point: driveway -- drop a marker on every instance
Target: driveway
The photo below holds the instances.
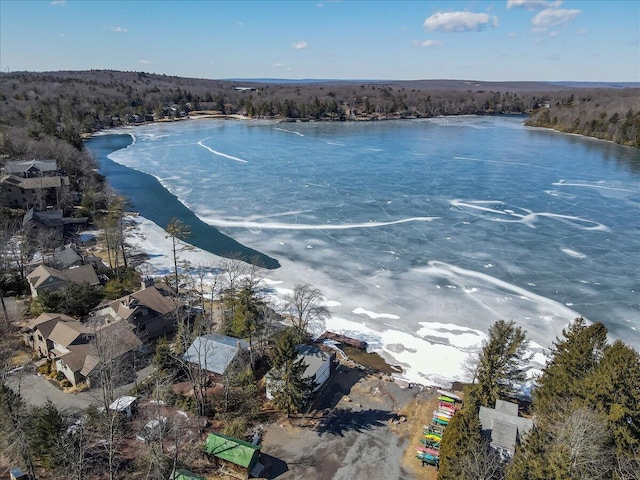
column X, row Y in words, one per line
column 36, row 390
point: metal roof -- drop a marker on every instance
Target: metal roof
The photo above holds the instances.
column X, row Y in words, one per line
column 214, row 352
column 232, row 450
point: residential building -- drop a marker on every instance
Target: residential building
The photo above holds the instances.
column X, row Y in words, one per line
column 503, row 427
column 33, row 192
column 214, row 353
column 52, row 279
column 152, row 311
column 32, row 168
column 78, row 349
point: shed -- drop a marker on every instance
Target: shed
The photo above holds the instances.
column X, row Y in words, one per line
column 241, row 456
column 17, row 474
column 503, row 426
column 124, row 404
column 182, row 474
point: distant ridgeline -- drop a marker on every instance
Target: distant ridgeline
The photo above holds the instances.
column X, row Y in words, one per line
column 68, row 104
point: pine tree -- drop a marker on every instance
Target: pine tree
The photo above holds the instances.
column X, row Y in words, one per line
column 502, row 365
column 289, row 385
column 614, row 390
column 44, row 431
column 572, row 359
column 462, row 436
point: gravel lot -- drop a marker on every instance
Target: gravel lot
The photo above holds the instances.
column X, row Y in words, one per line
column 346, row 437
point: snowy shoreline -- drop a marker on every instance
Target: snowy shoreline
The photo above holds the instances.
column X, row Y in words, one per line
column 434, row 356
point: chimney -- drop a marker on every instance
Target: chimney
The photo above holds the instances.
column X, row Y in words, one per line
column 146, row 282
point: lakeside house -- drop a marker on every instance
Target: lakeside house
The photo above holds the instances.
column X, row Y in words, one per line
column 215, row 353
column 503, row 427
column 152, row 310
column 51, row 279
column 32, row 184
column 318, row 363
column 52, row 225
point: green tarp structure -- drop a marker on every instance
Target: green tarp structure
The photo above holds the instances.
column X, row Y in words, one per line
column 186, row 475
column 232, row 450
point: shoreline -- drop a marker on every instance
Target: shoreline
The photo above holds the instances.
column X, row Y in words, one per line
column 431, row 354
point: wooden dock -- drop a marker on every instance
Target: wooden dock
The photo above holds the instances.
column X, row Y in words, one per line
column 353, row 342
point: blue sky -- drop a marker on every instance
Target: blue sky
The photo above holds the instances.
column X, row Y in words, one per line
column 548, row 40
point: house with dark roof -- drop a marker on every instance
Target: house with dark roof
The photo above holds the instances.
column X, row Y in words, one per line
column 151, row 311
column 52, row 224
column 214, row 353
column 32, row 192
column 32, row 168
column 318, row 367
column 503, row 427
column 52, row 279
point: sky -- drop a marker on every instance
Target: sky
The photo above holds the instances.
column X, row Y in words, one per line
column 502, row 40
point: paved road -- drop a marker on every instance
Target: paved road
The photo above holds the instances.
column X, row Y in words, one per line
column 36, row 390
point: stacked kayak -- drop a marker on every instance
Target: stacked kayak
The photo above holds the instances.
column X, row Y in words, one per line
column 448, row 404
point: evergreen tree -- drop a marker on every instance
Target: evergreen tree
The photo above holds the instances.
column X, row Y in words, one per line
column 572, row 359
column 502, row 365
column 462, row 436
column 614, row 390
column 289, row 386
column 45, row 428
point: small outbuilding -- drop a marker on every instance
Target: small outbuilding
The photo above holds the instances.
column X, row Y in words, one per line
column 234, row 456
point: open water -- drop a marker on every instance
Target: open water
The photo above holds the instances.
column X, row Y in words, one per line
column 431, row 227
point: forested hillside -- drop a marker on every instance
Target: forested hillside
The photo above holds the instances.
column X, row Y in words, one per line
column 67, row 104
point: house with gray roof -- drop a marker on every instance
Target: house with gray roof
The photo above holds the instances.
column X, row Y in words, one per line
column 32, row 192
column 503, row 427
column 32, row 168
column 52, row 279
column 215, row 353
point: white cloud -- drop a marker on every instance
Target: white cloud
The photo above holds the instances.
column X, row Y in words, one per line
column 512, row 34
column 58, row 3
column 119, row 29
column 583, row 31
column 553, row 18
column 145, row 62
column 459, row 21
column 533, row 4
column 279, row 65
column 300, row 45
column 428, row 43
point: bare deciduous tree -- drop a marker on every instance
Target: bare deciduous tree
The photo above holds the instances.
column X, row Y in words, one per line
column 305, row 306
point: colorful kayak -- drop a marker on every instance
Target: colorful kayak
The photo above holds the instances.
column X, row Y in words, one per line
column 443, row 413
column 440, row 421
column 444, row 398
column 425, row 457
column 430, row 451
column 433, row 437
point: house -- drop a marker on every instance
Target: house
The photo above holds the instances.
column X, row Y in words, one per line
column 78, row 349
column 32, row 192
column 37, row 331
column 52, row 279
column 503, row 427
column 151, row 311
column 233, row 455
column 52, row 224
column 66, row 257
column 32, row 168
column 214, row 352
column 318, row 368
